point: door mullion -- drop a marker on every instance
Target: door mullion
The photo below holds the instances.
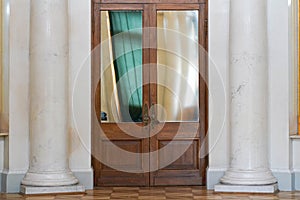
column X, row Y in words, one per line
column 146, row 80
column 153, row 86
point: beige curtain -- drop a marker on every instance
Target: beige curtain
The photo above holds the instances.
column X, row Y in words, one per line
column 3, row 99
column 4, row 67
column 178, row 65
column 1, row 63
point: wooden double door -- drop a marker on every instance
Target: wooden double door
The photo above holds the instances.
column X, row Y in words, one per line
column 149, row 93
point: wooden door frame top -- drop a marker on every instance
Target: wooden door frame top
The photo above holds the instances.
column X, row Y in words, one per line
column 149, row 1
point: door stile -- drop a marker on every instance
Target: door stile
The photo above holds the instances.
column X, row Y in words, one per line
column 95, row 87
column 153, row 86
column 203, row 90
column 146, row 81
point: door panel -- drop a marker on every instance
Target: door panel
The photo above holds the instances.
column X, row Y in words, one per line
column 176, row 136
column 180, row 158
column 118, row 164
column 187, row 161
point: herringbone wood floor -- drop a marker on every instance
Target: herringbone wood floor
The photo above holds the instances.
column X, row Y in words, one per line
column 155, row 193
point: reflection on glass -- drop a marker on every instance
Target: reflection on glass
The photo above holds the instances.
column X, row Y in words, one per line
column 121, row 66
column 178, row 58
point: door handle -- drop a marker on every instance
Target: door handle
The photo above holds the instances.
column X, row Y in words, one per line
column 146, row 118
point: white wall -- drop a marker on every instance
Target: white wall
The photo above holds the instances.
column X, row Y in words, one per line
column 218, row 85
column 279, row 87
column 16, row 161
column 280, row 154
column 80, row 91
column 16, row 153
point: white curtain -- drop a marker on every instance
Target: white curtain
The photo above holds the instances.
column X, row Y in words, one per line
column 178, row 65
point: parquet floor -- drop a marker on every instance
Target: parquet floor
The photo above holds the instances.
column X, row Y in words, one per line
column 155, row 193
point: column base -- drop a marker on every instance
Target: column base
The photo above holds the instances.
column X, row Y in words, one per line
column 28, row 190
column 248, row 177
column 273, row 188
column 49, row 179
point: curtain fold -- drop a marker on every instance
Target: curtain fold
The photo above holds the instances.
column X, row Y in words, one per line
column 110, row 104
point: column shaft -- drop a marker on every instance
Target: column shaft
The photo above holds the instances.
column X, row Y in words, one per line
column 249, row 94
column 49, row 95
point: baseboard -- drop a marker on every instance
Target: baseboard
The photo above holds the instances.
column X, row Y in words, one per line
column 11, row 180
column 85, row 177
column 296, row 180
column 213, row 177
column 287, row 180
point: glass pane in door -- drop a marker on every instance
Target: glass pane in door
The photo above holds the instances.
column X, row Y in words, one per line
column 178, row 61
column 121, row 66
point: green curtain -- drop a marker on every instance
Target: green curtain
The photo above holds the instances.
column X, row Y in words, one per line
column 126, row 31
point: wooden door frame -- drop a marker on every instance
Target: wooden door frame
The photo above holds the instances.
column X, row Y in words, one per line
column 97, row 6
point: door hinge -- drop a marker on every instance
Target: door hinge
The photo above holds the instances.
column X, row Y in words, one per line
column 206, row 26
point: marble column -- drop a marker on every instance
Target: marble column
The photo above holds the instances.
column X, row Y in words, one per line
column 249, row 170
column 49, row 170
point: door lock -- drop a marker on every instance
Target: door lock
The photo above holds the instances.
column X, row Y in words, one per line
column 153, row 116
column 146, row 117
